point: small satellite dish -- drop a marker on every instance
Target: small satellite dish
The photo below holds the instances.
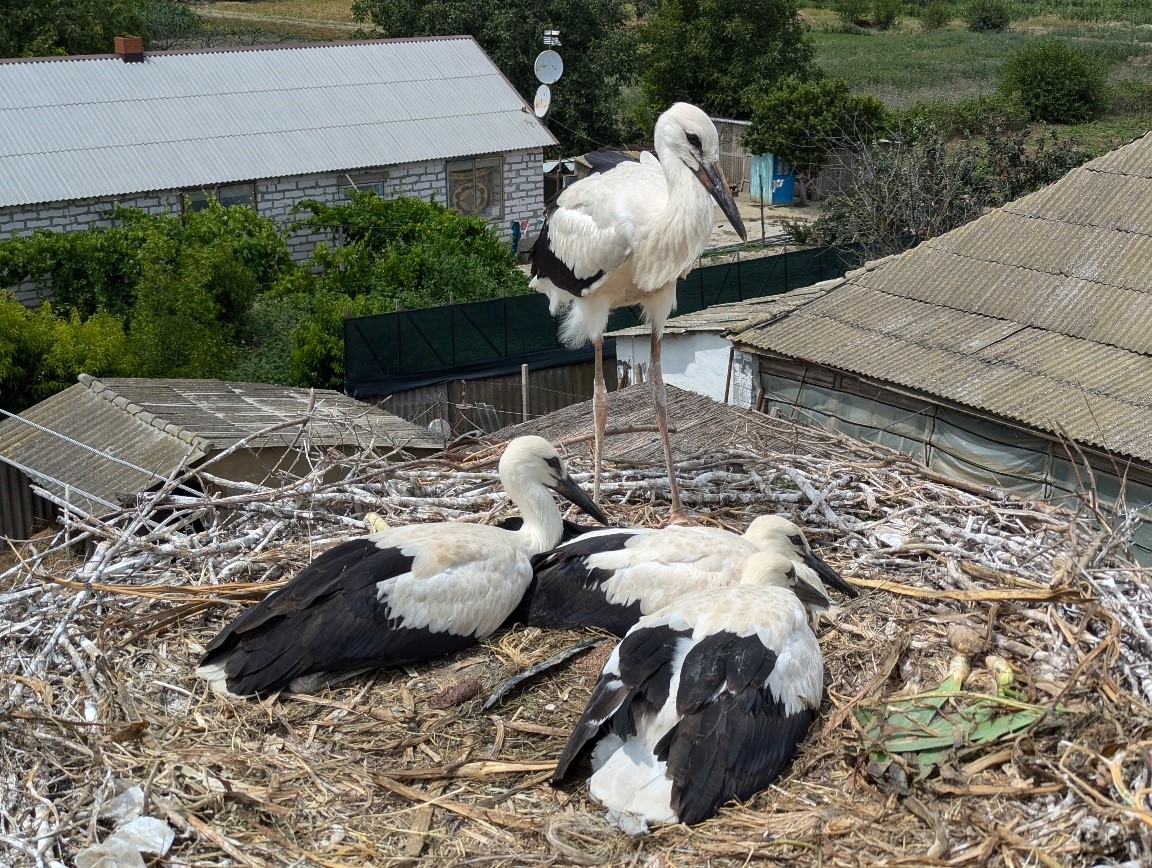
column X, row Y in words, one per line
column 542, row 101
column 549, row 67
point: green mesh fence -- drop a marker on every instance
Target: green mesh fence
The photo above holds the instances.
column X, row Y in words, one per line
column 394, row 352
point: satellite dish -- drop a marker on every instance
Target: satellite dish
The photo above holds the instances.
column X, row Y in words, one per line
column 542, row 101
column 549, row 67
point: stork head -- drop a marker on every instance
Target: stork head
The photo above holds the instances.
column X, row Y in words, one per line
column 686, row 133
column 775, row 533
column 775, row 570
column 533, row 460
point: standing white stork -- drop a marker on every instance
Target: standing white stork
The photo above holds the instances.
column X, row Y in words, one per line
column 623, row 238
column 703, row 701
column 609, row 578
column 397, row 596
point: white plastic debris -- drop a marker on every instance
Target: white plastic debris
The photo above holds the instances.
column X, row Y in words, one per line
column 124, row 806
column 146, row 834
column 112, row 853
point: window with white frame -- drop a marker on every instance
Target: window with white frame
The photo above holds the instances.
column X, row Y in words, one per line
column 227, row 195
column 476, row 186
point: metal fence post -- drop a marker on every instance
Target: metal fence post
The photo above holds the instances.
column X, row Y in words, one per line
column 524, row 393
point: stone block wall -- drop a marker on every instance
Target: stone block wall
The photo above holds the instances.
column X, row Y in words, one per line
column 275, row 197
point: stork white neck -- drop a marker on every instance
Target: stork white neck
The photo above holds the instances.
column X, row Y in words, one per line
column 543, row 525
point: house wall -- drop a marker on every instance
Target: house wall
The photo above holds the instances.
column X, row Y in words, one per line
column 275, row 197
column 695, row 361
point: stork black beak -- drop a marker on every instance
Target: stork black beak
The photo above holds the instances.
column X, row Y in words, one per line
column 828, row 575
column 712, row 177
column 809, row 595
column 569, row 490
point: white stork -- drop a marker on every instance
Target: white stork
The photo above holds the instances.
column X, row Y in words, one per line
column 609, row 578
column 623, row 238
column 397, row 596
column 703, row 701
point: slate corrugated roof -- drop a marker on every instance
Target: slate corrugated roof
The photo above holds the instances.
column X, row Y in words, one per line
column 155, row 424
column 1039, row 312
column 722, row 317
column 72, row 128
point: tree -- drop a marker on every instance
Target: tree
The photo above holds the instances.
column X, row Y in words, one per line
column 803, row 122
column 915, row 186
column 721, row 54
column 386, row 253
column 50, row 27
column 168, row 24
column 598, row 51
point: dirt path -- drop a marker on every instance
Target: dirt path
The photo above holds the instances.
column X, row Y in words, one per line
column 255, row 18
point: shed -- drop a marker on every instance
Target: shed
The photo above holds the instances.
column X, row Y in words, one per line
column 1014, row 351
column 103, row 441
column 697, row 355
column 265, row 126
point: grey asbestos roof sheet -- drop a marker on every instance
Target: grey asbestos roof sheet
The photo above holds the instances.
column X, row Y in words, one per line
column 724, row 317
column 77, row 465
column 73, row 128
column 219, row 414
column 104, row 438
column 1040, row 311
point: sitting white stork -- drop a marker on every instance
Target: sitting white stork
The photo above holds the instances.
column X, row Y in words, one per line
column 703, row 701
column 609, row 578
column 398, row 596
column 624, row 238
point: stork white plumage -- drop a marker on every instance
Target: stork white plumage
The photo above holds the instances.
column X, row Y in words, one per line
column 609, row 578
column 623, row 238
column 704, row 700
column 400, row 595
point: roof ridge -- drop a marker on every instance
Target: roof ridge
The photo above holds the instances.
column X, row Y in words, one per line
column 96, row 387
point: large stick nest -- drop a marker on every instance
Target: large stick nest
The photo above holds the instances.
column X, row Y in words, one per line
column 102, row 622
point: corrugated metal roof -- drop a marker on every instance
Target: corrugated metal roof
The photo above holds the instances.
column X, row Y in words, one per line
column 1040, row 311
column 153, row 425
column 86, row 127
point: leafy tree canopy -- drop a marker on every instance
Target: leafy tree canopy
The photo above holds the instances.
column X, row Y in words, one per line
column 721, row 54
column 394, row 253
column 598, row 51
column 804, row 121
column 47, row 27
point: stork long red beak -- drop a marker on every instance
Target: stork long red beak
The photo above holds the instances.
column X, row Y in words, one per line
column 569, row 490
column 712, row 177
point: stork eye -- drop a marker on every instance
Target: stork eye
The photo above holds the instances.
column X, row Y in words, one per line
column 693, row 140
column 795, row 539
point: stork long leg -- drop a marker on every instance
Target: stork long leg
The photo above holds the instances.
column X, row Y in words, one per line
column 660, row 400
column 600, row 417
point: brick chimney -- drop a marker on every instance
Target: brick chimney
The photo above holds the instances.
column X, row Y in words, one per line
column 130, row 49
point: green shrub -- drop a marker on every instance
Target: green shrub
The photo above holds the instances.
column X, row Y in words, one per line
column 1128, row 96
column 983, row 16
column 852, row 11
column 966, row 117
column 885, row 14
column 936, row 15
column 40, row 353
column 1057, row 82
